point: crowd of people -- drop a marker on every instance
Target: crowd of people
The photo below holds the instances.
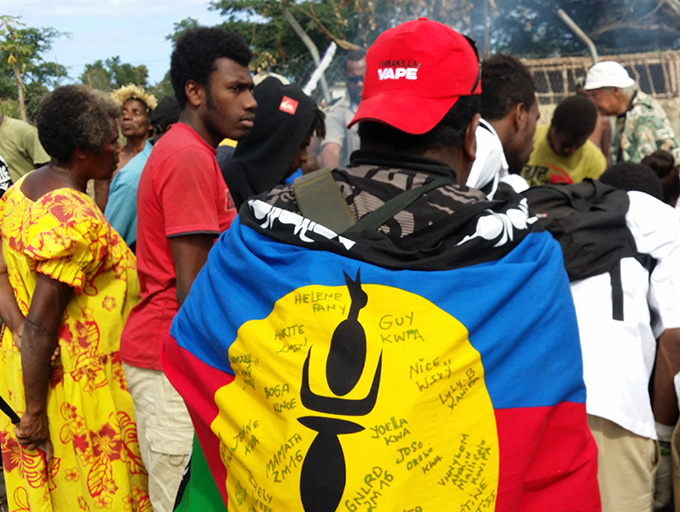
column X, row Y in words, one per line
column 422, row 299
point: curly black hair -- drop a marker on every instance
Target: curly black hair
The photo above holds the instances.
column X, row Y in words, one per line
column 75, row 115
column 663, row 164
column 576, row 116
column 319, row 124
column 195, row 55
column 630, row 176
column 506, row 82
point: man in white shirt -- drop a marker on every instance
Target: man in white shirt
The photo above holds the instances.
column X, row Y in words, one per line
column 505, row 135
column 619, row 354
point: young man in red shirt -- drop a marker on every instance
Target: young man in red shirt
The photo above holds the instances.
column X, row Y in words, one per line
column 183, row 204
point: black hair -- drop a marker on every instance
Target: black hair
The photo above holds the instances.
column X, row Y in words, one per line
column 506, row 82
column 661, row 162
column 575, row 116
column 355, row 56
column 195, row 55
column 318, row 124
column 165, row 114
column 663, row 165
column 75, row 116
column 449, row 132
column 630, row 176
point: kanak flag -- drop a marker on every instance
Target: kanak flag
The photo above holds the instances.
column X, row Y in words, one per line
column 324, row 374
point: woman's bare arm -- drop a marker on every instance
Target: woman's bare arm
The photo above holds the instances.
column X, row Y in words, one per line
column 39, row 341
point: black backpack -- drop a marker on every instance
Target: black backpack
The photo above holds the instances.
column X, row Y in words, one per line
column 588, row 219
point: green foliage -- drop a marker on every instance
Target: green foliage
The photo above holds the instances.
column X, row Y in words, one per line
column 533, row 28
column 351, row 24
column 180, row 27
column 162, row 88
column 112, row 74
column 96, row 76
column 528, row 28
column 21, row 52
column 35, row 94
column 275, row 45
column 9, row 108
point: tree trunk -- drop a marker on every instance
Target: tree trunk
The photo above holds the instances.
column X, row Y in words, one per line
column 20, row 90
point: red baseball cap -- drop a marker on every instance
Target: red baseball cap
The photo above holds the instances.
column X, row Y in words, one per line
column 415, row 73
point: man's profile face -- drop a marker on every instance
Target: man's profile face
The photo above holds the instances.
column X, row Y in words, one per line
column 301, row 157
column 606, row 99
column 134, row 120
column 525, row 139
column 354, row 77
column 564, row 144
column 229, row 109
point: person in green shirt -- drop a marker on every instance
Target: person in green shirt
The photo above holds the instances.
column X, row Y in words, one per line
column 562, row 151
column 642, row 126
column 20, row 147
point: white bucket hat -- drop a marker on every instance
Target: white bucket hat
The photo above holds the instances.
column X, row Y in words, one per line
column 608, row 74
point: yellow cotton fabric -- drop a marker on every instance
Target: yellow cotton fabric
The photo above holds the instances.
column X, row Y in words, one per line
column 97, row 463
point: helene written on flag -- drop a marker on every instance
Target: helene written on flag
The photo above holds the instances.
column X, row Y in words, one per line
column 320, row 382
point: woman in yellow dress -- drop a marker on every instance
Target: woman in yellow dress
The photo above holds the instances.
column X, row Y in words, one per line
column 67, row 284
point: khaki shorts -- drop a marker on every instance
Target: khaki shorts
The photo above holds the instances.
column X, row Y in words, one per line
column 627, row 465
column 165, row 433
column 675, row 455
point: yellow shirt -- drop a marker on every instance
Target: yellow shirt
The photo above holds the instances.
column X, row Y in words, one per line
column 545, row 167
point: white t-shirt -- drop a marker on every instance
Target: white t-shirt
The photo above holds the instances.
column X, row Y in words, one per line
column 490, row 165
column 618, row 356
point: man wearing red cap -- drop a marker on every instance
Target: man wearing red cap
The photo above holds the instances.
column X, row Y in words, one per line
column 374, row 350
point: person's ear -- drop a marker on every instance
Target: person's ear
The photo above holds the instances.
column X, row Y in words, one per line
column 468, row 152
column 470, row 140
column 519, row 115
column 79, row 153
column 621, row 99
column 195, row 93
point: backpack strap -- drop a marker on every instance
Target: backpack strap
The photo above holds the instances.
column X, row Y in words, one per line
column 379, row 216
column 319, row 198
column 617, row 291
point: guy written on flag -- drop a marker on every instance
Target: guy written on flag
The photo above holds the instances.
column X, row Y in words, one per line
column 319, row 380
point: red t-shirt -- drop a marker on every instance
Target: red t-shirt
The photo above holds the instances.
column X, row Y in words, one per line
column 181, row 191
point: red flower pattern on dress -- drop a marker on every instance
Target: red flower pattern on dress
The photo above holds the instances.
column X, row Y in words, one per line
column 72, row 474
column 21, row 500
column 104, row 501
column 130, row 452
column 82, row 443
column 33, row 467
column 100, row 454
column 67, row 208
column 109, row 303
column 82, row 503
column 11, row 452
column 107, row 443
column 141, row 502
column 56, row 375
column 93, row 376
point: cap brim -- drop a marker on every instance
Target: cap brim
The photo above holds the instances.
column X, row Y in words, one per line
column 407, row 113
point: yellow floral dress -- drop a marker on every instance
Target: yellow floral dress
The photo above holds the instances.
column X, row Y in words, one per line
column 96, row 463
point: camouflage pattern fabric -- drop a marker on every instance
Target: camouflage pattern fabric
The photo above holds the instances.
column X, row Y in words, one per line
column 642, row 130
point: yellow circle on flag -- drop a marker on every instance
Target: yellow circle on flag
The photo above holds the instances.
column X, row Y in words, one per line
column 415, row 432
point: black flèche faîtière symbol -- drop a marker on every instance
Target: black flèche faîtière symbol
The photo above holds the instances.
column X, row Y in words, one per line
column 322, row 479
